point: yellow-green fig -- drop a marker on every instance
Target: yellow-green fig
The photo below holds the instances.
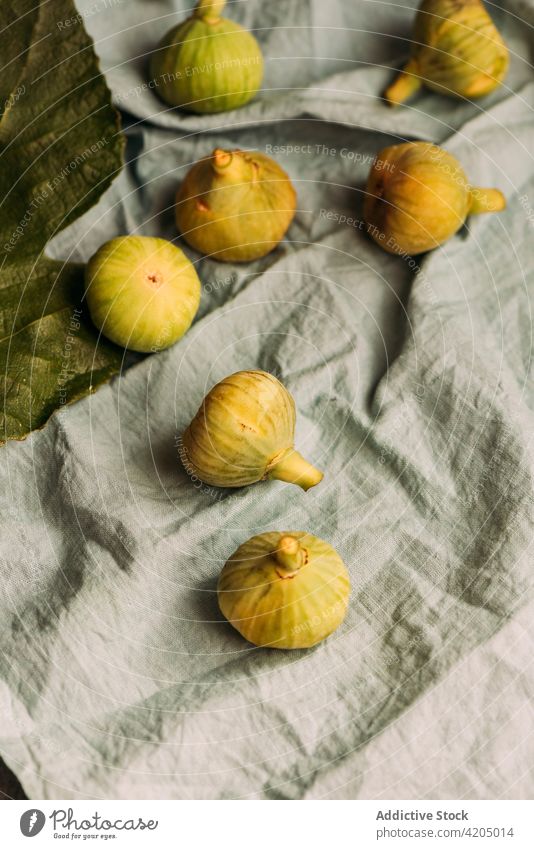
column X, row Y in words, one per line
column 285, row 590
column 142, row 292
column 456, row 50
column 418, row 196
column 235, row 206
column 244, row 433
column 207, row 63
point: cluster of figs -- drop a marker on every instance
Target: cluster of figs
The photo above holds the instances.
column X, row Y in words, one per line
column 285, row 589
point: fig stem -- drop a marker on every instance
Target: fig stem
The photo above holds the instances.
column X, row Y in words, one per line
column 486, row 200
column 222, row 159
column 293, row 468
column 210, row 9
column 406, row 84
column 289, row 556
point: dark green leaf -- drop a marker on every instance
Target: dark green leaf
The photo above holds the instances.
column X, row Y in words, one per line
column 60, row 147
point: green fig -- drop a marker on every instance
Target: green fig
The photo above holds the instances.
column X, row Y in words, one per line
column 457, row 50
column 207, row 63
column 418, row 196
column 244, row 432
column 142, row 292
column 235, row 206
column 284, row 590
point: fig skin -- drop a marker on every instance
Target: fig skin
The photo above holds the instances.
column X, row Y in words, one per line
column 284, row 590
column 207, row 64
column 457, row 51
column 244, row 433
column 142, row 292
column 235, row 206
column 418, row 196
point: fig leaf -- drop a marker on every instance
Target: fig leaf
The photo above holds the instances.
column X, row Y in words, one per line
column 60, row 147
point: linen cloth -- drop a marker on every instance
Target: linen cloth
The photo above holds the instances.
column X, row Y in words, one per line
column 413, row 384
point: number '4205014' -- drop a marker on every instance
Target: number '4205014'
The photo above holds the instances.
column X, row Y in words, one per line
column 473, row 831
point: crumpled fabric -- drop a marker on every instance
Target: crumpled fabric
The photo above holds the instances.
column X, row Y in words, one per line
column 413, row 384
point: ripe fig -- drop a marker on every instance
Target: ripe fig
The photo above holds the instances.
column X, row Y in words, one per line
column 235, row 206
column 286, row 590
column 418, row 196
column 457, row 50
column 244, row 432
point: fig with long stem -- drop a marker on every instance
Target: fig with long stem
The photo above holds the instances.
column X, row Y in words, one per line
column 418, row 196
column 244, row 433
column 456, row 50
